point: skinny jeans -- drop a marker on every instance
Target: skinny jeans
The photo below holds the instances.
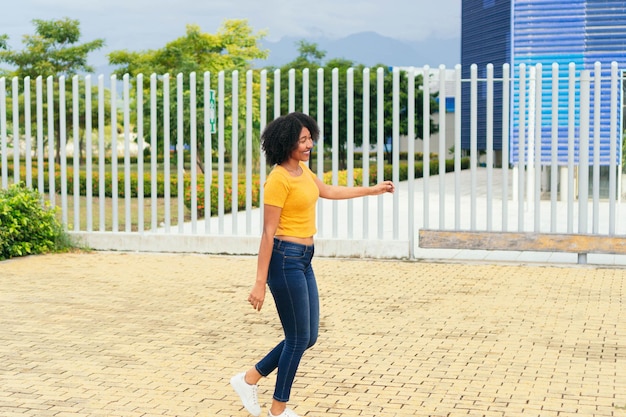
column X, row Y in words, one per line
column 292, row 283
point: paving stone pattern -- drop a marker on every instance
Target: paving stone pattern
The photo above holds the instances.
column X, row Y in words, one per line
column 120, row 334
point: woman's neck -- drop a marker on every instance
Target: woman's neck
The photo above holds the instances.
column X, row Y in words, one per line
column 293, row 167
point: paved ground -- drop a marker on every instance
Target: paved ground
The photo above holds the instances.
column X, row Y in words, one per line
column 114, row 334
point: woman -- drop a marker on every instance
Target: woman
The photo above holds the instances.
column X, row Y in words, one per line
column 285, row 253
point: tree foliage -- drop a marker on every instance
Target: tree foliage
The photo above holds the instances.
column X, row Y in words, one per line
column 232, row 48
column 53, row 50
column 312, row 58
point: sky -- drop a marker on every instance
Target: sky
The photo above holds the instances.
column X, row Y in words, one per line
column 138, row 25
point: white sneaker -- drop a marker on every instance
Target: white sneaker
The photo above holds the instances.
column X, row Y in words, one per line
column 287, row 413
column 247, row 393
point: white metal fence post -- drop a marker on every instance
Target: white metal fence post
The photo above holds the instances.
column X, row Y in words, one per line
column 27, row 132
column 3, row 134
column 426, row 141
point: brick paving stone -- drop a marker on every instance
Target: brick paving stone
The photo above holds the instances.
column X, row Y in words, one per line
column 130, row 334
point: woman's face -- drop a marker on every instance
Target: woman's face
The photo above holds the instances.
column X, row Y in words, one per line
column 302, row 151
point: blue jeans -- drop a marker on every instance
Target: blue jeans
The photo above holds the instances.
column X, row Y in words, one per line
column 292, row 283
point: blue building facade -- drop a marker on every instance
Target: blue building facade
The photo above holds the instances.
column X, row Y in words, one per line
column 533, row 32
column 485, row 39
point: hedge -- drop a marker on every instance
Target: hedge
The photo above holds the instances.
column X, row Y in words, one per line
column 160, row 191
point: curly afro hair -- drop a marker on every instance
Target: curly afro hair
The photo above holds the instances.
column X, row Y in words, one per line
column 281, row 135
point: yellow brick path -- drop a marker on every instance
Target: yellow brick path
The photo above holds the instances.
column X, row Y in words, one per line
column 115, row 334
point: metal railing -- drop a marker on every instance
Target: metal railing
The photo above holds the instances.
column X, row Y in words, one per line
column 544, row 188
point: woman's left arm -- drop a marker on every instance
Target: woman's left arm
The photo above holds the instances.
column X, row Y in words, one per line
column 335, row 192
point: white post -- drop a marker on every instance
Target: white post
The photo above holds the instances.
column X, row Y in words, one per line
column 411, row 157
column 153, row 151
column 101, row 194
column 63, row 142
column 395, row 151
column 50, row 119
column 457, row 147
column 89, row 154
column 292, row 90
column 554, row 167
column 537, row 145
column 489, row 147
column 505, row 143
column 27, row 128
column 114, row 185
column 597, row 89
column 209, row 113
column 3, row 133
column 180, row 153
column 76, row 155
column 140, row 143
column 614, row 151
column 442, row 143
column 530, row 155
column 583, row 152
column 426, row 145
column 249, row 88
column 350, row 145
column 473, row 141
column 366, row 147
column 166, row 151
column 571, row 129
column 380, row 144
column 40, row 150
column 127, row 198
column 583, row 158
column 220, row 150
column 521, row 147
column 335, row 142
column 234, row 159
column 16, row 134
column 320, row 144
column 515, row 183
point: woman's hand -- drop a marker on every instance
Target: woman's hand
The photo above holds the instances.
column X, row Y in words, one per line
column 383, row 187
column 257, row 296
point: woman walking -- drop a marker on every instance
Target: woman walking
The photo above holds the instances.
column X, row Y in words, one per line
column 285, row 253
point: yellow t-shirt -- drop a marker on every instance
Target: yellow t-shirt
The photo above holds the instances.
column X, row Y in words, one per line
column 297, row 197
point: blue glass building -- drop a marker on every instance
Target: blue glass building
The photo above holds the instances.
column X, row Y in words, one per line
column 532, row 32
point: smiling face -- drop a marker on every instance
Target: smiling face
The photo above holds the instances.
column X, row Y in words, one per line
column 302, row 151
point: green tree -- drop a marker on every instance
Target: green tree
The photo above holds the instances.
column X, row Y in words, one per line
column 309, row 55
column 232, row 48
column 3, row 45
column 54, row 50
column 404, row 96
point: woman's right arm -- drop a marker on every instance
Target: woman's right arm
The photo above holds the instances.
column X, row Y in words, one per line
column 271, row 216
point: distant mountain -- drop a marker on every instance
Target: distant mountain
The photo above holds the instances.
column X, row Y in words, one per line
column 370, row 49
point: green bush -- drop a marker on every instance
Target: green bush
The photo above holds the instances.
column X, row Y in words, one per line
column 228, row 192
column 160, row 181
column 28, row 226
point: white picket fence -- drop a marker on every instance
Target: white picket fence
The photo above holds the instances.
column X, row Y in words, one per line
column 522, row 197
